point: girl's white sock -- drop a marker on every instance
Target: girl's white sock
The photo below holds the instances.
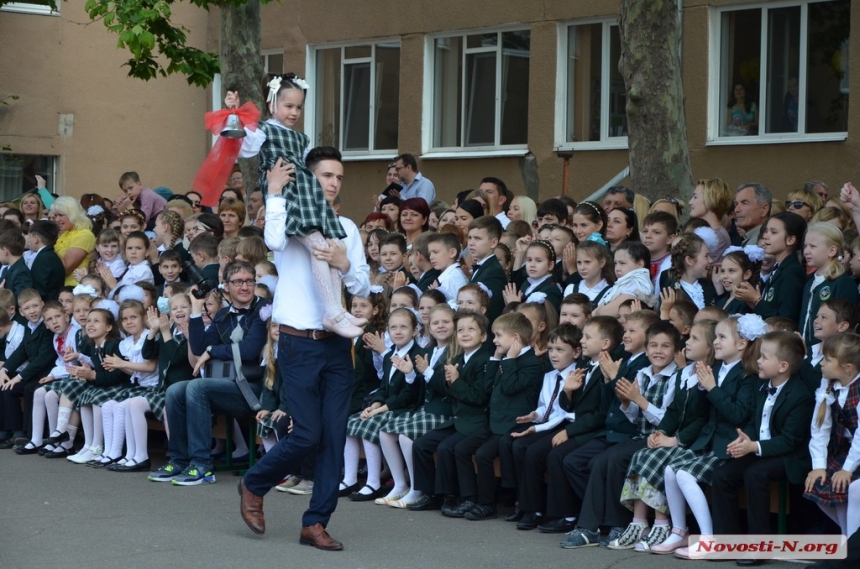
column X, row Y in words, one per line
column 696, row 500
column 391, row 450
column 52, row 408
column 373, row 455
column 351, row 455
column 73, row 432
column 39, row 413
column 108, row 426
column 98, row 432
column 86, row 423
column 135, row 425
column 63, row 414
column 118, row 431
column 406, row 448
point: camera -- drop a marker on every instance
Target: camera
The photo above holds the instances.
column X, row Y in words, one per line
column 196, row 277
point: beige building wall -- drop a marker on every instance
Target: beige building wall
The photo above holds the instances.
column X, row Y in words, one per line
column 63, row 71
column 119, row 123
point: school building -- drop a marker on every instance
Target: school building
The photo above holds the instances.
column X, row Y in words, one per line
column 503, row 88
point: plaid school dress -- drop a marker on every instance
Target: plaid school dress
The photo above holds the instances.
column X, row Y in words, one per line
column 844, row 418
column 97, row 394
column 307, row 208
column 414, row 424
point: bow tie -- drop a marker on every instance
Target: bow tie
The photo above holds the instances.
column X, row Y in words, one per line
column 475, row 268
column 239, row 310
column 770, row 390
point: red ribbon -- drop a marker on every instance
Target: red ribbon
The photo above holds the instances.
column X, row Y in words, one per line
column 213, row 174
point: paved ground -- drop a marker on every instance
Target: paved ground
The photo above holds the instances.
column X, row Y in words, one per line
column 54, row 514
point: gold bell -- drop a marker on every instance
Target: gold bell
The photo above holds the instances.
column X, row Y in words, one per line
column 233, row 128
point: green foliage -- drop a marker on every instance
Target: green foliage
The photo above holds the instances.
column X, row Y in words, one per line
column 157, row 46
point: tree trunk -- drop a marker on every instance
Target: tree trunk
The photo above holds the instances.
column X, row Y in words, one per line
column 242, row 66
column 651, row 66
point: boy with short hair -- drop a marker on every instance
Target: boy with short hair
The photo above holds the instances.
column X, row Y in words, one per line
column 514, row 379
column 170, row 268
column 204, row 252
column 658, row 231
column 642, row 403
column 392, row 256
column 136, row 196
column 467, row 389
column 773, row 445
column 679, row 314
column 444, row 254
column 17, row 276
column 575, row 309
column 560, row 237
column 483, row 238
column 835, row 316
column 37, row 352
column 46, row 267
column 14, row 334
column 227, row 252
column 421, row 257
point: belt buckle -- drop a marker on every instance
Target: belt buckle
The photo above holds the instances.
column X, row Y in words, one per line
column 314, row 334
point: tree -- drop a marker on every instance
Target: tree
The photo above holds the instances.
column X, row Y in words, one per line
column 651, row 66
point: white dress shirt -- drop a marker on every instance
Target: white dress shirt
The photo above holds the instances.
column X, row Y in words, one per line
column 724, row 371
column 553, row 382
column 135, row 273
column 451, row 281
column 503, row 219
column 59, row 371
column 438, row 352
column 131, row 352
column 652, row 413
column 533, row 284
column 582, row 288
column 401, row 352
column 766, row 416
column 297, row 301
column 820, row 436
column 817, row 354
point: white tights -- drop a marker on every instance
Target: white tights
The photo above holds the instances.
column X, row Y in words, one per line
column 393, row 456
column 136, row 438
column 683, row 489
column 91, row 420
column 113, row 420
column 326, row 278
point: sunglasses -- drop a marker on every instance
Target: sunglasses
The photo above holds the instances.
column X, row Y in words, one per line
column 796, row 204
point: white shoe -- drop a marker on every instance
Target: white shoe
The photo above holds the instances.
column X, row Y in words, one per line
column 287, row 483
column 82, row 457
column 303, row 488
column 631, row 536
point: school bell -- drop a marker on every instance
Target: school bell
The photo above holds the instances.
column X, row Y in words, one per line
column 233, row 128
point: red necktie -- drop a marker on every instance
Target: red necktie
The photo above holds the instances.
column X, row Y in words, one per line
column 61, row 344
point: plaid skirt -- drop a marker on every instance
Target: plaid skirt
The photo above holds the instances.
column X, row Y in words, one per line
column 699, row 466
column 823, row 494
column 267, row 426
column 71, row 388
column 646, row 477
column 368, row 429
column 413, row 425
column 94, row 395
column 153, row 395
column 59, row 384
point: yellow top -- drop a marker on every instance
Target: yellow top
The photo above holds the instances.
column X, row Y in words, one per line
column 75, row 239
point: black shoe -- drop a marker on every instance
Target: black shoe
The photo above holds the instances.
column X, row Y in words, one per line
column 57, row 439
column 529, row 521
column 425, row 503
column 559, row 525
column 131, row 466
column 27, row 448
column 459, row 511
column 480, row 512
column 7, row 444
column 348, row 490
column 61, row 452
column 748, row 562
column 516, row 516
column 359, row 497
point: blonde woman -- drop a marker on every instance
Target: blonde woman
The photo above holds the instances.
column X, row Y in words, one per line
column 76, row 241
column 523, row 208
column 712, row 201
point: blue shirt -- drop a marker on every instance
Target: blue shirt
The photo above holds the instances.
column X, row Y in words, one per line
column 420, row 187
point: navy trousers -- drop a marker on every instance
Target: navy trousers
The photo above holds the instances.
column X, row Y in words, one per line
column 318, row 378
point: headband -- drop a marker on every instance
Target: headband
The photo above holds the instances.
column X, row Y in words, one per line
column 134, row 213
column 594, row 207
column 753, row 252
column 547, row 245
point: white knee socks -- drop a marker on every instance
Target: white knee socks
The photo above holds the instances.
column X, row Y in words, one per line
column 696, row 500
column 373, row 456
column 39, row 413
column 351, row 455
column 406, row 447
column 391, row 450
column 136, row 438
column 52, row 409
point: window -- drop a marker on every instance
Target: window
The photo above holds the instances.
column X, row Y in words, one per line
column 356, row 98
column 783, row 72
column 32, row 7
column 592, row 111
column 18, row 174
column 273, row 61
column 480, row 90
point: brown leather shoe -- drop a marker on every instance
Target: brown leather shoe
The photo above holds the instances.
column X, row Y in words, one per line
column 251, row 508
column 317, row 536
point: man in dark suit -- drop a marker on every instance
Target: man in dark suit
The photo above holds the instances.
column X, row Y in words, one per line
column 484, row 235
column 47, row 269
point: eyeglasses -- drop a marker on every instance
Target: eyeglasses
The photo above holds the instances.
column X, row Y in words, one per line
column 195, row 229
column 195, row 204
column 241, row 282
column 796, row 204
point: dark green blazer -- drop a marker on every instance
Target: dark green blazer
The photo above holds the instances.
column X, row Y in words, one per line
column 212, row 273
column 427, row 279
column 49, row 274
column 618, row 426
column 399, row 395
column 366, row 378
column 548, row 287
column 734, row 307
column 783, row 292
column 841, row 287
column 105, row 378
column 436, row 400
column 686, row 415
column 493, row 276
column 789, row 427
column 469, row 395
column 37, row 347
column 515, row 385
column 708, row 290
column 585, row 403
column 173, row 364
column 810, row 375
column 18, row 277
column 731, row 408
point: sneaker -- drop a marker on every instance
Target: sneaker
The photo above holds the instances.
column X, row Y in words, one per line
column 166, row 473
column 632, row 535
column 287, row 483
column 581, row 538
column 614, row 534
column 193, row 476
column 656, row 536
column 303, row 488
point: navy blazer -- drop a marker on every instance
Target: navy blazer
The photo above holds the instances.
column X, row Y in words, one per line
column 218, row 334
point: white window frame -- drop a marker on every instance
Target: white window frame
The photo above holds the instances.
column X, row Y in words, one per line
column 265, row 53
column 428, row 151
column 715, row 83
column 27, row 8
column 606, row 142
column 310, row 110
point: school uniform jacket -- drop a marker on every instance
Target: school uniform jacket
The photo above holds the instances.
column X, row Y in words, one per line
column 790, row 421
column 469, row 395
column 783, row 292
column 37, row 347
column 687, row 413
column 172, row 356
column 104, row 378
column 436, row 400
column 18, row 277
column 547, row 287
column 394, row 391
column 515, row 385
column 366, row 378
column 734, row 307
column 584, row 403
column 841, row 287
column 731, row 406
column 491, row 274
column 810, row 375
column 427, row 279
column 48, row 273
column 708, row 290
column 618, row 426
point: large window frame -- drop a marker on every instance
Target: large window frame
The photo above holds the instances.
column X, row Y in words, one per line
column 429, row 118
column 15, row 180
column 718, row 77
column 31, row 8
column 565, row 97
column 312, row 112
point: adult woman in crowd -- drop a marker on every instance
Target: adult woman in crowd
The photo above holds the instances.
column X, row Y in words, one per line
column 391, row 176
column 377, row 220
column 76, row 240
column 712, row 201
column 672, row 206
column 414, row 218
column 195, row 198
column 232, row 193
column 482, row 198
column 232, row 214
column 31, row 207
column 468, row 211
column 203, row 223
column 741, row 114
column 621, row 226
column 390, row 206
column 523, row 208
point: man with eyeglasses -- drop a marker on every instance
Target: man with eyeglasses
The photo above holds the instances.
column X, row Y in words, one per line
column 415, row 185
column 315, row 365
column 190, row 404
column 752, row 208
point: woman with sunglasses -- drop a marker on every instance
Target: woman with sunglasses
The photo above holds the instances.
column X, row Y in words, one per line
column 804, row 203
column 195, row 201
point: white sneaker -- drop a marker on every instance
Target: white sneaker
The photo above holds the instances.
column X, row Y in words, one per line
column 631, row 536
column 303, row 488
column 83, row 456
column 287, row 483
